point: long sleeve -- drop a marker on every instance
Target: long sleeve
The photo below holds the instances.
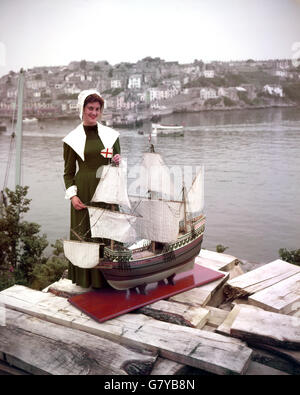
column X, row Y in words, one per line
column 117, row 147
column 69, row 171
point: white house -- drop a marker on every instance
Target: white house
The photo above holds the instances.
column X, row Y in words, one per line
column 36, row 84
column 72, row 90
column 209, row 73
column 11, row 93
column 115, row 84
column 281, row 73
column 230, row 92
column 135, row 81
column 208, row 93
column 274, row 90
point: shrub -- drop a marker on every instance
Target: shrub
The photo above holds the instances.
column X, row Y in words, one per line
column 292, row 256
column 22, row 247
column 229, row 102
column 221, row 248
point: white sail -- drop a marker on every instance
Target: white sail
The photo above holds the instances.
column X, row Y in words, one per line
column 155, row 175
column 112, row 225
column 82, row 254
column 159, row 220
column 112, row 186
column 195, row 196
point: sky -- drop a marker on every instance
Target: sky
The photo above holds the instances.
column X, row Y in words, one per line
column 55, row 32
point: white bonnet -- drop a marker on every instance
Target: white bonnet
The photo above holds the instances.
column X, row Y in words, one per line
column 81, row 99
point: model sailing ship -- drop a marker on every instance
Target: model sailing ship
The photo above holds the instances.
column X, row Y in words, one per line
column 152, row 237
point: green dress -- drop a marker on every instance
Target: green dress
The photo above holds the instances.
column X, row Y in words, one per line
column 86, row 181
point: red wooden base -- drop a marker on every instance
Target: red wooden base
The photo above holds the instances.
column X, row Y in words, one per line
column 107, row 303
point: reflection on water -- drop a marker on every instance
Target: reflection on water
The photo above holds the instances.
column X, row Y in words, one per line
column 252, row 181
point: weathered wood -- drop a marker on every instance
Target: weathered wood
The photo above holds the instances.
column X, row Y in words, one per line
column 176, row 313
column 258, row 369
column 295, row 313
column 216, row 316
column 58, row 350
column 260, row 278
column 216, row 260
column 166, row 367
column 225, row 326
column 267, row 357
column 282, row 297
column 291, row 355
column 200, row 296
column 7, row 370
column 66, row 288
column 267, row 327
column 235, row 271
column 217, row 297
column 189, row 346
column 209, row 328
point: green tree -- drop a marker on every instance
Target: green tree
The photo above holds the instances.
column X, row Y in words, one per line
column 21, row 245
column 83, row 64
column 292, row 256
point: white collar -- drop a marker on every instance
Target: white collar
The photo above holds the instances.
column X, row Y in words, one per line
column 76, row 138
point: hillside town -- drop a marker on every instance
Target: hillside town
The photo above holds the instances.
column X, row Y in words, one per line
column 152, row 87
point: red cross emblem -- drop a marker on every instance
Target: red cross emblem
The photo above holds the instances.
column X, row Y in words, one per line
column 107, row 152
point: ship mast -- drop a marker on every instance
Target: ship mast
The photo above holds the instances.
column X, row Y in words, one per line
column 19, row 129
column 184, row 206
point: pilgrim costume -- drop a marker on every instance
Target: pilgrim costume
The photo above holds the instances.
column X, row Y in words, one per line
column 86, row 147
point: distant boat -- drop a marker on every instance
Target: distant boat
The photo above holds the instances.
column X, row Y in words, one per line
column 166, row 130
column 2, row 127
column 30, row 120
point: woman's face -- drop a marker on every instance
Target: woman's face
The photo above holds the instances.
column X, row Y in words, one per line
column 91, row 113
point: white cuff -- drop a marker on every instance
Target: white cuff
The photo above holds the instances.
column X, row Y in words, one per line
column 70, row 192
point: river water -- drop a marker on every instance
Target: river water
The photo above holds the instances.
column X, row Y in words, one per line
column 252, row 175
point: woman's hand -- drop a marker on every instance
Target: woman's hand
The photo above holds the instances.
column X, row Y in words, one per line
column 77, row 203
column 117, row 159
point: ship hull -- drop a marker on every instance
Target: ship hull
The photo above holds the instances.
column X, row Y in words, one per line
column 125, row 275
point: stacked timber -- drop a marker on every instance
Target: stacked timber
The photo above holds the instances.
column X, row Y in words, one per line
column 244, row 323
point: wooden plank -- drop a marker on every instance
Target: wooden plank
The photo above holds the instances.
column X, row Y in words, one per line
column 176, row 313
column 216, row 260
column 200, row 296
column 58, row 350
column 218, row 297
column 66, row 288
column 225, row 326
column 290, row 355
column 267, row 327
column 258, row 369
column 283, row 297
column 216, row 316
column 189, row 346
column 166, row 367
column 7, row 370
column 235, row 271
column 260, row 278
column 267, row 357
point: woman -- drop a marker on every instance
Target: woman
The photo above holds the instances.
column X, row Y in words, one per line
column 83, row 146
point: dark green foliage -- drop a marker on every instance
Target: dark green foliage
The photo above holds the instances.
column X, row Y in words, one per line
column 221, row 248
column 292, row 256
column 21, row 245
column 244, row 97
column 213, row 102
column 228, row 102
column 292, row 91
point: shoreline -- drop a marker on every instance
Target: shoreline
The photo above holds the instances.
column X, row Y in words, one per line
column 162, row 113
